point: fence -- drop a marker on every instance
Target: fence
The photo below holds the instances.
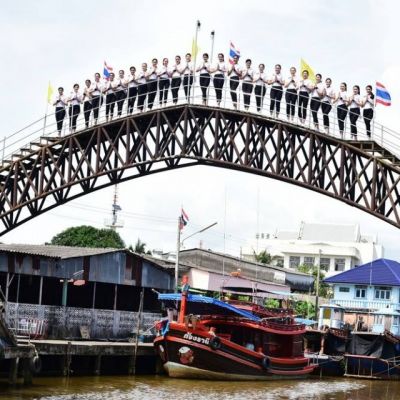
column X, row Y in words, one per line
column 65, row 322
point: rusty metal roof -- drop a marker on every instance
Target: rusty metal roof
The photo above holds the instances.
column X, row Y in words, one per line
column 55, row 251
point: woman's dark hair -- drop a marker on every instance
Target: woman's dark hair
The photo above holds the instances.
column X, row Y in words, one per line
column 248, row 60
column 188, row 54
column 154, row 60
column 221, row 54
column 205, row 55
column 97, row 74
column 305, row 70
column 262, row 65
column 372, row 93
column 133, row 67
column 344, row 84
column 328, row 79
column 88, row 80
column 357, row 87
column 121, row 70
column 319, row 75
column 165, row 59
column 278, row 65
column 61, row 88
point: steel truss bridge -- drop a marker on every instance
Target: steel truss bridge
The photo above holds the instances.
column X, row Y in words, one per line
column 54, row 170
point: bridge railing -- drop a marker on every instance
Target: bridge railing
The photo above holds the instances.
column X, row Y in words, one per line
column 20, row 142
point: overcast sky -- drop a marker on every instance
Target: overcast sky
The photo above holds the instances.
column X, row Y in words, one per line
column 66, row 42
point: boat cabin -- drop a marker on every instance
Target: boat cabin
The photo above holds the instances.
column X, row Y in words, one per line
column 386, row 320
column 331, row 316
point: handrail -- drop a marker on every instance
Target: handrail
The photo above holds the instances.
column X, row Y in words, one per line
column 387, row 138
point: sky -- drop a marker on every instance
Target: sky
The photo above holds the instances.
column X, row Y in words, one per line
column 66, row 42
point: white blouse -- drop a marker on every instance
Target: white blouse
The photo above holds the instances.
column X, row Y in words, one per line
column 369, row 102
column 291, row 82
column 343, row 97
column 276, row 79
column 329, row 95
column 247, row 74
column 318, row 88
column 305, row 85
column 220, row 68
column 75, row 98
column 60, row 101
column 260, row 78
column 356, row 99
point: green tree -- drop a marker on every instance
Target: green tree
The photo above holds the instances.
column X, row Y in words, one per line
column 88, row 236
column 140, row 247
column 271, row 303
column 313, row 270
column 305, row 309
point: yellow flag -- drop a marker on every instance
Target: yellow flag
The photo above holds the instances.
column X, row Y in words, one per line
column 195, row 48
column 50, row 92
column 305, row 66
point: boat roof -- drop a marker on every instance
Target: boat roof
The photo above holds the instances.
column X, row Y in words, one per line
column 203, row 305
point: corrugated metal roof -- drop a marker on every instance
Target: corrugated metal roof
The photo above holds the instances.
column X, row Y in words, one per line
column 379, row 272
column 55, row 251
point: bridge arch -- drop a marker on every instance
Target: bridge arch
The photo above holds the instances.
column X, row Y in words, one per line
column 56, row 170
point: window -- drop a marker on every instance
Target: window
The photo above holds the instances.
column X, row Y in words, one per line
column 395, row 320
column 324, row 263
column 309, row 261
column 340, row 264
column 361, row 292
column 344, row 289
column 294, row 261
column 382, row 292
column 378, row 319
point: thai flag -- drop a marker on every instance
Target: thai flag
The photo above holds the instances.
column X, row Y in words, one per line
column 233, row 52
column 183, row 219
column 106, row 71
column 382, row 95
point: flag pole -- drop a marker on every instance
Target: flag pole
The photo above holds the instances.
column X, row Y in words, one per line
column 195, row 56
column 212, row 46
column 178, row 248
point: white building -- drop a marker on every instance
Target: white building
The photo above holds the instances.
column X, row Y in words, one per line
column 336, row 248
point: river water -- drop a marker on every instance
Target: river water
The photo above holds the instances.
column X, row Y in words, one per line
column 157, row 388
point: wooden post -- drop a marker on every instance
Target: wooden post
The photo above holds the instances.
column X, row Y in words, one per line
column 40, row 290
column 97, row 365
column 64, row 293
column 26, row 371
column 115, row 297
column 7, row 285
column 94, row 295
column 12, row 377
column 139, row 317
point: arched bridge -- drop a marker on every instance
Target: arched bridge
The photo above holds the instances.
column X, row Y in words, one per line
column 55, row 170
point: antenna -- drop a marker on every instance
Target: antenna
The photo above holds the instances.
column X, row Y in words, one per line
column 114, row 222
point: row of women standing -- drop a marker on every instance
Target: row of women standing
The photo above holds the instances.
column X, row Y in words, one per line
column 146, row 83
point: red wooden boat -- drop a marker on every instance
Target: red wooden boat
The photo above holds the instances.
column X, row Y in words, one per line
column 215, row 340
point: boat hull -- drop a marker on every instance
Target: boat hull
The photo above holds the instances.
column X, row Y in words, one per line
column 191, row 356
column 327, row 365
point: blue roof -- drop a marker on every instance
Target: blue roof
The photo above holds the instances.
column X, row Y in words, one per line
column 378, row 272
column 202, row 305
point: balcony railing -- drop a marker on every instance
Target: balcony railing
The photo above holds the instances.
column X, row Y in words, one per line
column 366, row 304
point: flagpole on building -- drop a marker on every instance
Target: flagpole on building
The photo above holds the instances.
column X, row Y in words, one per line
column 195, row 56
column 178, row 249
column 212, row 46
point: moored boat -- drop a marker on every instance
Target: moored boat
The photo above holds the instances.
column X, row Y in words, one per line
column 215, row 340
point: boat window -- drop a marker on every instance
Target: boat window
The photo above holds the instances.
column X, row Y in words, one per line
column 378, row 319
column 383, row 292
column 361, row 292
column 395, row 320
column 337, row 314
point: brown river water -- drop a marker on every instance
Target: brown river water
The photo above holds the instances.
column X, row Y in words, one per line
column 156, row 387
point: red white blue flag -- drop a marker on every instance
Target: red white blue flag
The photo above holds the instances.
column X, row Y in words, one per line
column 183, row 219
column 233, row 51
column 106, row 71
column 382, row 95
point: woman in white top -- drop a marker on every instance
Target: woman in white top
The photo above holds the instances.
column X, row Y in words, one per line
column 204, row 69
column 234, row 73
column 368, row 105
column 87, row 102
column 305, row 86
column 219, row 77
column 132, row 89
column 260, row 80
column 75, row 101
column 276, row 93
column 291, row 94
column 163, row 82
column 109, row 91
column 120, row 91
column 355, row 102
column 152, row 83
column 187, row 72
column 60, row 103
column 326, row 102
column 317, row 94
column 342, row 110
column 176, row 78
column 142, row 87
column 247, row 85
column 97, row 97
